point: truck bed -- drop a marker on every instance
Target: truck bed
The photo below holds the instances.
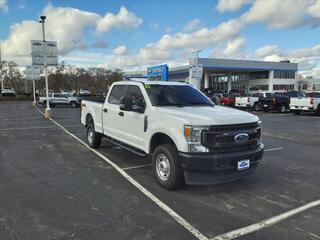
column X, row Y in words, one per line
column 95, row 109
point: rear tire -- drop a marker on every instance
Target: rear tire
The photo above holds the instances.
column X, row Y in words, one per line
column 256, row 107
column 93, row 138
column 282, row 108
column 166, row 167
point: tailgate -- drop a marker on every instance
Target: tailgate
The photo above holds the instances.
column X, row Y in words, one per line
column 300, row 102
column 242, row 100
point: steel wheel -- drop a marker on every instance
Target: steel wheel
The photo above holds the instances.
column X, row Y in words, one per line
column 163, row 167
column 90, row 136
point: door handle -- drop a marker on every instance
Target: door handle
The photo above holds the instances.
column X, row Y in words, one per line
column 105, row 110
column 121, row 114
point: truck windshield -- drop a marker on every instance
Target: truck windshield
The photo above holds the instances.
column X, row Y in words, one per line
column 176, row 95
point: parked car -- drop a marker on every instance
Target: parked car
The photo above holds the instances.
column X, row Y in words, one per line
column 251, row 101
column 84, row 92
column 279, row 101
column 190, row 139
column 8, row 92
column 229, row 99
column 60, row 99
column 309, row 103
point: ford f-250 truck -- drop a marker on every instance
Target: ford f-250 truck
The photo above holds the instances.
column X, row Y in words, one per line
column 309, row 103
column 190, row 139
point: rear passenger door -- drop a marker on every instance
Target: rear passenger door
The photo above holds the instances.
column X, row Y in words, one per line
column 111, row 110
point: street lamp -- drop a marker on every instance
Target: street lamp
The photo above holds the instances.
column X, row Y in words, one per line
column 47, row 111
column 196, row 52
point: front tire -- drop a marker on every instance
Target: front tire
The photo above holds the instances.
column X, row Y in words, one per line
column 73, row 104
column 283, row 108
column 93, row 138
column 166, row 167
column 297, row 112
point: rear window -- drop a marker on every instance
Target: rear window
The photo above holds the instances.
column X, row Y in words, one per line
column 313, row 94
column 117, row 93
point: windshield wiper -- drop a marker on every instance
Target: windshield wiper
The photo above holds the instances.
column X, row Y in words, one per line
column 171, row 105
column 198, row 103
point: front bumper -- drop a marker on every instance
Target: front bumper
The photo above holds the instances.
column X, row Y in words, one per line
column 211, row 168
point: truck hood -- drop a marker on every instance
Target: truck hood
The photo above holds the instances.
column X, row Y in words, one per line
column 206, row 115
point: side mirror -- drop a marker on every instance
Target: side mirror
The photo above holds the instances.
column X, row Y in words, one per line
column 125, row 105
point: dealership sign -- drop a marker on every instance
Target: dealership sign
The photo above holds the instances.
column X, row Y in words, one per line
column 40, row 49
column 196, row 71
column 160, row 72
column 32, row 72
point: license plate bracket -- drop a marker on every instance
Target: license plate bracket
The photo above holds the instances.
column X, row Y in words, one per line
column 243, row 164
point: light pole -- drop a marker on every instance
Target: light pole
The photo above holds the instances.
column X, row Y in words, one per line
column 34, row 88
column 1, row 79
column 47, row 112
column 196, row 52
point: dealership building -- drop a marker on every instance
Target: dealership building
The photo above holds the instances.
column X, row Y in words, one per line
column 225, row 74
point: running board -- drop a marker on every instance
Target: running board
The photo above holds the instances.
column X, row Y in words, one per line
column 126, row 147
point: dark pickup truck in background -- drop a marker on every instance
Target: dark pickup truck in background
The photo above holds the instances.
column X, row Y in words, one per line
column 278, row 101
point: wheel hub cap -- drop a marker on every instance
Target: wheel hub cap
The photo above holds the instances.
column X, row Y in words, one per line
column 90, row 136
column 163, row 167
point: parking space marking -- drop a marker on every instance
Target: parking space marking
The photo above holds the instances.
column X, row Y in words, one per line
column 273, row 149
column 266, row 223
column 26, row 128
column 135, row 167
column 142, row 189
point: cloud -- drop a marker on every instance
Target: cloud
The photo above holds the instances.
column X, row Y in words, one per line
column 282, row 14
column 314, row 10
column 65, row 25
column 3, row 5
column 154, row 25
column 123, row 20
column 267, row 50
column 231, row 5
column 100, row 43
column 235, row 46
column 171, row 47
column 120, row 50
column 193, row 25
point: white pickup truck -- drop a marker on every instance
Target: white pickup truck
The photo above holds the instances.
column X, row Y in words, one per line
column 251, row 101
column 190, row 139
column 60, row 99
column 309, row 103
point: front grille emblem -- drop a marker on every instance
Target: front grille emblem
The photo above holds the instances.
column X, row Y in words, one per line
column 241, row 137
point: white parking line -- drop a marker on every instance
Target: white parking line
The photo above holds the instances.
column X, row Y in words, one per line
column 135, row 167
column 26, row 128
column 273, row 149
column 148, row 194
column 265, row 223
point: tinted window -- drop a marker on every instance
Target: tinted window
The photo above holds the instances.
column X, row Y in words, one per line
column 175, row 95
column 257, row 95
column 295, row 94
column 269, row 94
column 313, row 94
column 117, row 94
column 136, row 98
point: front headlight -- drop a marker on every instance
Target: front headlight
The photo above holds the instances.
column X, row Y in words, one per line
column 193, row 136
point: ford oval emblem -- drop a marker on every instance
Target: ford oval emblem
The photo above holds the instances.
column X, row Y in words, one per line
column 241, row 137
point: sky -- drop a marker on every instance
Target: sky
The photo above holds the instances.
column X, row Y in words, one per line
column 132, row 35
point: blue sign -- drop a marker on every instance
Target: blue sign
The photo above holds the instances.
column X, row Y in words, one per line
column 160, row 72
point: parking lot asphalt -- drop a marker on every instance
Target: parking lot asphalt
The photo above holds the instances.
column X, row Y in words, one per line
column 52, row 187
